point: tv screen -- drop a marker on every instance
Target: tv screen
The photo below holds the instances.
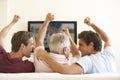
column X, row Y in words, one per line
column 53, row 27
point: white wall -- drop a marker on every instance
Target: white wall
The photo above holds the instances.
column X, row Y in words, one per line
column 3, row 13
column 105, row 13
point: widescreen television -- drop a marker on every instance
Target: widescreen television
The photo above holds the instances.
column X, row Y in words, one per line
column 53, row 27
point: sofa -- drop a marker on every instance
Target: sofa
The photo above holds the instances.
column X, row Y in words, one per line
column 58, row 76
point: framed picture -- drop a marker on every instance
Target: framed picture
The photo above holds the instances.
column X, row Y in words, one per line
column 53, row 27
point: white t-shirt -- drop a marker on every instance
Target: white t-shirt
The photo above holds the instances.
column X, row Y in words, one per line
column 41, row 66
column 99, row 63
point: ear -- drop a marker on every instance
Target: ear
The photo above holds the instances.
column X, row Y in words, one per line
column 22, row 46
column 91, row 44
column 65, row 52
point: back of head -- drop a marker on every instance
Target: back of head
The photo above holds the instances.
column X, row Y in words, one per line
column 20, row 37
column 90, row 36
column 58, row 41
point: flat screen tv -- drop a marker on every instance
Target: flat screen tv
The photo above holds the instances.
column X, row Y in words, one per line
column 53, row 27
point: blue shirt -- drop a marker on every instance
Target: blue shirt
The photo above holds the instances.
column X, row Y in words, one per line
column 99, row 62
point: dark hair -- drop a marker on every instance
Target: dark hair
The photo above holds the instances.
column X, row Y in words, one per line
column 90, row 36
column 19, row 38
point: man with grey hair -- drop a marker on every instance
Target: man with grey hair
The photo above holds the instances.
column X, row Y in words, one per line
column 59, row 45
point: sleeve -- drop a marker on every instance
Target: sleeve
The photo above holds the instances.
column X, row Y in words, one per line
column 40, row 66
column 109, row 52
column 86, row 64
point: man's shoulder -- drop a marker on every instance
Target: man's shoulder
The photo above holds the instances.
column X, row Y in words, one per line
column 108, row 49
column 38, row 48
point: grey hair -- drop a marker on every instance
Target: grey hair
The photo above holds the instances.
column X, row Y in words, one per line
column 58, row 41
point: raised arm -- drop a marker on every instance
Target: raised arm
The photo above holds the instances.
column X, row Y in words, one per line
column 74, row 50
column 6, row 29
column 42, row 31
column 99, row 31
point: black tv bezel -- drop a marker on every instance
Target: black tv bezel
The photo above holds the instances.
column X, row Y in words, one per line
column 73, row 22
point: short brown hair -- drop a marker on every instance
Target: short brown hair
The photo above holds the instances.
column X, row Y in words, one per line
column 19, row 38
column 90, row 36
